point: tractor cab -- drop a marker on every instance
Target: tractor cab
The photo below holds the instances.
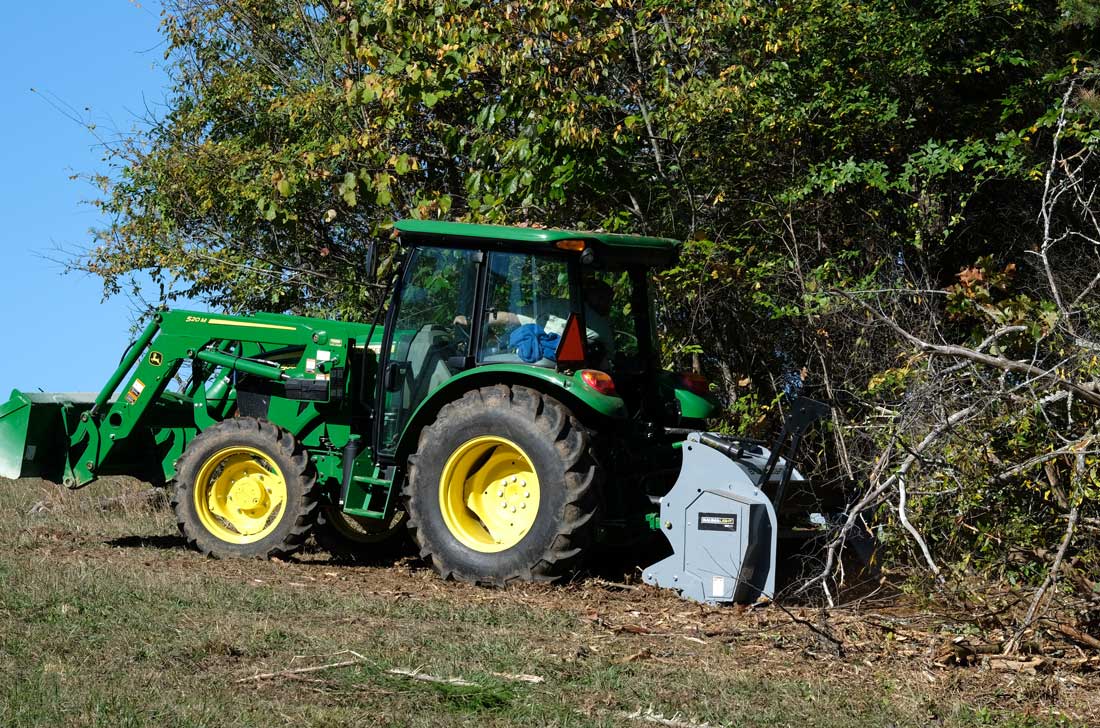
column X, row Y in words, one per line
column 568, row 310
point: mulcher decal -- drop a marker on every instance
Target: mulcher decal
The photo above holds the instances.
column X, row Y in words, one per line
column 717, row 521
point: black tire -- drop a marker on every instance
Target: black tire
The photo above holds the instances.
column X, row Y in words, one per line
column 558, row 448
column 351, row 539
column 289, row 525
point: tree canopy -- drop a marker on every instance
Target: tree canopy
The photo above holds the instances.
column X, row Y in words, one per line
column 858, row 183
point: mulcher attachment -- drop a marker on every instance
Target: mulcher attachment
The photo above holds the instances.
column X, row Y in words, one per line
column 722, row 530
column 719, row 519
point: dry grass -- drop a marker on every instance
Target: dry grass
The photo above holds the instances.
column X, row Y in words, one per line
column 105, row 620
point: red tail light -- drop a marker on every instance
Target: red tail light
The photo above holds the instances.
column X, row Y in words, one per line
column 599, row 381
column 696, row 383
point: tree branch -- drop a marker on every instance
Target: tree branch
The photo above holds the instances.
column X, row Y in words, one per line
column 1052, row 575
column 997, row 362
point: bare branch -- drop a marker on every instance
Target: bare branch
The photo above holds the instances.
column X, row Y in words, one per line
column 913, row 531
column 1052, row 574
column 873, row 495
column 997, row 362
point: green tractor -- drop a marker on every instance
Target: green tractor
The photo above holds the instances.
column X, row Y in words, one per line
column 510, row 413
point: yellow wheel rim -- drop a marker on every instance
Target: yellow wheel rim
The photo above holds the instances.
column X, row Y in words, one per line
column 240, row 494
column 489, row 494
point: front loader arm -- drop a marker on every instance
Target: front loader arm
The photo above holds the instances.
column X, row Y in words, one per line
column 214, row 344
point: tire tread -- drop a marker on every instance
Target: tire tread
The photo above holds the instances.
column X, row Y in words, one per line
column 262, row 433
column 578, row 516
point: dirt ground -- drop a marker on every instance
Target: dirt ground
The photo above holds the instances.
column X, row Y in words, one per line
column 590, row 652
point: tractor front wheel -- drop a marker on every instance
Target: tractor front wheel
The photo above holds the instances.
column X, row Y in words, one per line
column 244, row 488
column 502, row 488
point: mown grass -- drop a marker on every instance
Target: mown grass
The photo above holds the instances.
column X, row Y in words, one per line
column 106, row 621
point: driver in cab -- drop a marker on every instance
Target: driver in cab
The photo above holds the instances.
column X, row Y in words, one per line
column 555, row 314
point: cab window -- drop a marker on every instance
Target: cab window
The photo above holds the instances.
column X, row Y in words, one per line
column 527, row 304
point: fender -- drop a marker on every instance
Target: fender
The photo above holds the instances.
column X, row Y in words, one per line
column 569, row 389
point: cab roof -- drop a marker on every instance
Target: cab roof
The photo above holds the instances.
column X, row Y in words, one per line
column 646, row 250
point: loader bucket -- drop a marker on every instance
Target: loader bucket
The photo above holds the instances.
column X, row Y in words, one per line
column 34, row 432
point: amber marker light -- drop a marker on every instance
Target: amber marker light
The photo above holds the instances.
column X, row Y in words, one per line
column 577, row 246
column 599, row 381
column 695, row 383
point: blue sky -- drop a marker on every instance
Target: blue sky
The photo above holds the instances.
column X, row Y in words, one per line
column 104, row 59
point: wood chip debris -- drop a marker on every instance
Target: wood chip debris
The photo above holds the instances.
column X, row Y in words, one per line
column 649, row 716
column 1032, row 666
column 418, row 674
column 519, row 677
column 300, row 670
column 424, row 677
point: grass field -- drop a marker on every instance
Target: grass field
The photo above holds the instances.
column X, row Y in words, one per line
column 106, row 620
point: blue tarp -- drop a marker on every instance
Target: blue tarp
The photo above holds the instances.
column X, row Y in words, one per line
column 532, row 343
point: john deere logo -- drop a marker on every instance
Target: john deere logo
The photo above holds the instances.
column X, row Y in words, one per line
column 156, row 358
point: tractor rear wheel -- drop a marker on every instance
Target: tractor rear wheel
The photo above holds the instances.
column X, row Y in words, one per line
column 503, row 488
column 245, row 488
